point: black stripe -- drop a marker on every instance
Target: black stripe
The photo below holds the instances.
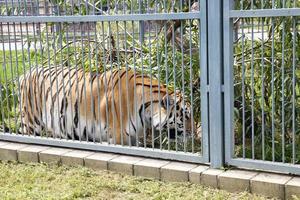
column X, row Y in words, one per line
column 112, row 76
column 64, row 104
column 81, row 92
column 84, row 135
column 146, row 105
column 93, row 76
column 119, row 78
column 35, row 88
column 72, row 83
column 76, row 114
column 132, row 125
column 75, row 135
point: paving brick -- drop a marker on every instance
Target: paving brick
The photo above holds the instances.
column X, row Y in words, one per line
column 270, row 185
column 149, row 168
column 99, row 161
column 236, row 180
column 2, row 143
column 30, row 153
column 176, row 171
column 8, row 152
column 123, row 164
column 292, row 188
column 74, row 158
column 52, row 155
column 195, row 174
column 210, row 177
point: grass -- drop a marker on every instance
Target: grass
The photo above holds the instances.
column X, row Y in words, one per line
column 40, row 181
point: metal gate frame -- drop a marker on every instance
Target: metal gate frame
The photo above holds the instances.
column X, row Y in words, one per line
column 164, row 154
column 217, row 91
column 229, row 14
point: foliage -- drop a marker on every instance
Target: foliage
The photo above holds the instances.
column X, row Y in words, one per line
column 264, row 74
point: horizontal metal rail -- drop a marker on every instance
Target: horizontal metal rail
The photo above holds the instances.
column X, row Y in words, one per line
column 283, row 12
column 105, row 147
column 265, row 165
column 101, row 18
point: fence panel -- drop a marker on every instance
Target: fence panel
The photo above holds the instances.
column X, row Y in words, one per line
column 120, row 77
column 262, row 84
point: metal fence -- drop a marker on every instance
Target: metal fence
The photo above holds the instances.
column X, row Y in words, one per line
column 121, row 77
column 206, row 82
column 261, row 85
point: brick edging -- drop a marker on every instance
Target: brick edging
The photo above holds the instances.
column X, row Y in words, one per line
column 268, row 184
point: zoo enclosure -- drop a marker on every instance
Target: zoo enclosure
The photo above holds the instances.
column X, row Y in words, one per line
column 236, row 61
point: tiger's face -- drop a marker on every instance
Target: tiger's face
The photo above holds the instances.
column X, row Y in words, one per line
column 178, row 115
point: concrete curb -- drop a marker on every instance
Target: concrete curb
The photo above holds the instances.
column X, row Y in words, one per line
column 267, row 184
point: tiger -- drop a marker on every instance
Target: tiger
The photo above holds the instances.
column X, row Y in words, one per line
column 115, row 106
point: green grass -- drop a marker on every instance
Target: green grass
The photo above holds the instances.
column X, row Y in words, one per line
column 39, row 181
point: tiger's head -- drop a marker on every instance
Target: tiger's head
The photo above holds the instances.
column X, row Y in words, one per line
column 176, row 116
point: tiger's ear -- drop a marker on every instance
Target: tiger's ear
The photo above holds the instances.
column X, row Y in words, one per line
column 167, row 101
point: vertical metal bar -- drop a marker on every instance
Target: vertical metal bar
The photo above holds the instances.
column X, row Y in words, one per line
column 12, row 75
column 98, row 83
column 5, row 79
column 50, row 79
column 36, row 88
column 1, row 87
column 191, row 84
column 24, row 68
column 151, row 89
column 62, row 81
column 134, row 89
column 19, row 8
column 141, row 23
column 243, row 89
column 105, row 85
column 215, row 20
column 87, row 7
column 174, row 77
column 143, row 92
column 18, row 77
column 85, row 129
column 37, row 8
column 228, row 81
column 263, row 92
column 113, row 109
column 126, row 74
column 129, row 114
column 72, row 7
column 182, row 82
column 90, row 82
column 283, row 96
column 12, row 7
column 63, row 130
column 70, row 81
column 29, row 63
column 204, row 76
column 48, row 61
column 159, row 78
column 272, row 92
column 119, row 85
column 167, row 78
column 294, row 92
column 56, row 32
column 252, row 90
column 5, row 71
column 43, row 84
column 77, row 71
